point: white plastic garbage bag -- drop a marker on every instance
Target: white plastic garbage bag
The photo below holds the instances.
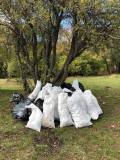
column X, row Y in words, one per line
column 48, row 87
column 92, row 104
column 54, row 95
column 55, row 90
column 67, row 90
column 41, row 94
column 45, row 91
column 65, row 116
column 55, row 104
column 75, row 84
column 48, row 112
column 78, row 109
column 36, row 90
column 35, row 118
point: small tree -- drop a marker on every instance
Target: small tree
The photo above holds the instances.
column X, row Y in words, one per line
column 38, row 22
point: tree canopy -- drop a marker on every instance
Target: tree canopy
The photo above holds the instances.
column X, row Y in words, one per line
column 35, row 27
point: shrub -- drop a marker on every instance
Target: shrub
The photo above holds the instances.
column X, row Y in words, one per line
column 13, row 69
column 84, row 65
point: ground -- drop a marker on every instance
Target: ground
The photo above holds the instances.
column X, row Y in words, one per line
column 99, row 142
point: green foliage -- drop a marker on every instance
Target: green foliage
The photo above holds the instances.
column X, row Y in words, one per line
column 86, row 65
column 13, row 69
column 79, row 67
column 92, row 22
column 115, row 55
column 60, row 59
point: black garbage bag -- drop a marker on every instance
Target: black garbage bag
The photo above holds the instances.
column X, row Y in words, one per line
column 39, row 104
column 19, row 102
column 70, row 87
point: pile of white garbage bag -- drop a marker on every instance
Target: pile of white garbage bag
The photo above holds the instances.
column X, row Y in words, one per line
column 78, row 109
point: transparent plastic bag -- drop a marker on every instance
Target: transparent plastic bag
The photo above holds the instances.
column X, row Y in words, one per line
column 19, row 102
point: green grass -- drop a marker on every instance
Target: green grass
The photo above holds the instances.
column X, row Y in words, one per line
column 99, row 142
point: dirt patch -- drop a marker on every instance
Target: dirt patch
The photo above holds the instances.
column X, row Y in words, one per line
column 47, row 143
column 114, row 126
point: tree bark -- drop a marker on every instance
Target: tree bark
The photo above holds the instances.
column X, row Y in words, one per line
column 53, row 51
column 48, row 49
column 51, row 42
column 77, row 48
column 23, row 73
column 35, row 57
column 107, row 65
column 32, row 66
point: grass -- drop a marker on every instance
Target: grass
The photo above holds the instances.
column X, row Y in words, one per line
column 99, row 142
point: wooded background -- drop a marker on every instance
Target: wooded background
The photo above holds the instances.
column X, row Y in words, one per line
column 51, row 40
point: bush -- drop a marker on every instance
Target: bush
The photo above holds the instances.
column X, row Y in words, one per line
column 13, row 69
column 85, row 65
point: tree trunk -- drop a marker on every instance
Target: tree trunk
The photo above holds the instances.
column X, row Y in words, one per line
column 25, row 53
column 51, row 42
column 77, row 48
column 107, row 65
column 48, row 49
column 118, row 67
column 53, row 51
column 23, row 73
column 35, row 57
